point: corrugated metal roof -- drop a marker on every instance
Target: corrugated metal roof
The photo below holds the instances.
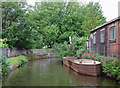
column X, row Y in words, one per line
column 118, row 18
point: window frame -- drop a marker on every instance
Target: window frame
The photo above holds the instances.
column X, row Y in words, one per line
column 102, row 36
column 112, row 37
column 94, row 38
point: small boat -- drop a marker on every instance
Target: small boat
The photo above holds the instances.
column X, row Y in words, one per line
column 83, row 66
column 68, row 60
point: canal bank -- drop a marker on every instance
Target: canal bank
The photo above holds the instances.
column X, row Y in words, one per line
column 51, row 72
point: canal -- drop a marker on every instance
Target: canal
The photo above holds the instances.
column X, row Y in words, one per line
column 51, row 72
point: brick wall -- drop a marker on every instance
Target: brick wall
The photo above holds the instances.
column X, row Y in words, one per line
column 41, row 50
column 110, row 48
column 119, row 37
column 15, row 52
column 3, row 51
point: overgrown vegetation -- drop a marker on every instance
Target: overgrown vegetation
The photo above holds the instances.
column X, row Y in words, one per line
column 47, row 22
column 13, row 61
column 19, row 60
column 51, row 24
column 3, row 42
column 74, row 49
column 4, row 66
column 110, row 65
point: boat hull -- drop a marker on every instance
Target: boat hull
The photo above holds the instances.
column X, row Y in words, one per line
column 87, row 69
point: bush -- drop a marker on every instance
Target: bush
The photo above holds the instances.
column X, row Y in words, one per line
column 87, row 55
column 4, row 66
column 91, row 55
column 80, row 52
column 75, row 49
column 62, row 49
column 97, row 57
column 19, row 60
column 78, row 44
column 111, row 66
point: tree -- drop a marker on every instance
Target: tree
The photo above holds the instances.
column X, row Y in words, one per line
column 93, row 17
column 47, row 22
column 66, row 17
column 12, row 23
column 72, row 21
column 16, row 26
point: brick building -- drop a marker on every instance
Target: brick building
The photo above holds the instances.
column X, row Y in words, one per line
column 105, row 39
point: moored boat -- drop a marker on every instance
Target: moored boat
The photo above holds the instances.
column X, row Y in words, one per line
column 83, row 66
column 67, row 60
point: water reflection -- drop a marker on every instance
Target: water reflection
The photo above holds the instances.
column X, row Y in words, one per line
column 51, row 73
column 90, row 80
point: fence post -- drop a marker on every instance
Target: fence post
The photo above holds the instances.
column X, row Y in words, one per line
column 108, row 50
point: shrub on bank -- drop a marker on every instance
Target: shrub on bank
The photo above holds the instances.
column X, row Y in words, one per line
column 62, row 49
column 3, row 67
column 91, row 55
column 13, row 61
column 110, row 65
column 19, row 60
column 77, row 46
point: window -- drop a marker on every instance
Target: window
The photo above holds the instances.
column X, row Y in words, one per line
column 94, row 38
column 112, row 33
column 102, row 33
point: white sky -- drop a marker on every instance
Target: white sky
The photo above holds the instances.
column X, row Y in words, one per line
column 109, row 7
